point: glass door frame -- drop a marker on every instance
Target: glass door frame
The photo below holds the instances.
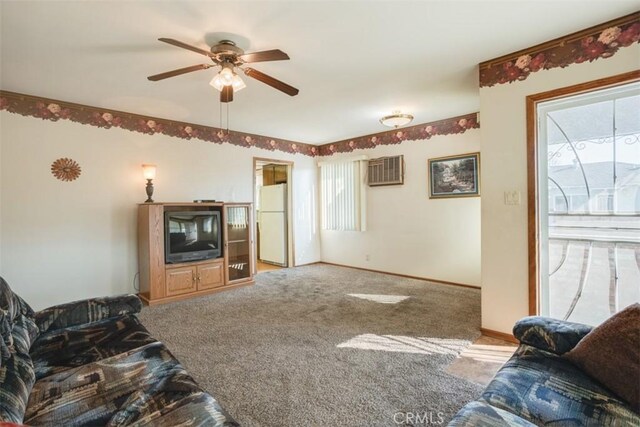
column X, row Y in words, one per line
column 250, row 243
column 535, row 232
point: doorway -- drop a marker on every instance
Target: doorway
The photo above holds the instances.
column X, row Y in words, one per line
column 273, row 213
column 584, row 175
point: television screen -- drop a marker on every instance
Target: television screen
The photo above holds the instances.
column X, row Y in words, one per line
column 192, row 236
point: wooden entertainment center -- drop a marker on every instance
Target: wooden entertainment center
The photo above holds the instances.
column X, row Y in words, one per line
column 162, row 282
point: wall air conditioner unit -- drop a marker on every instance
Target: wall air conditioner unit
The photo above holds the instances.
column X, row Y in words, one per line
column 385, row 171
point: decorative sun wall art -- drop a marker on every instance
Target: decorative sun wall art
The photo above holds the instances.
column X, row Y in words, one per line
column 66, row 169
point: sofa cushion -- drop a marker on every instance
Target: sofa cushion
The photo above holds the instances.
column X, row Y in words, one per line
column 611, row 354
column 16, row 381
column 16, row 369
column 481, row 414
column 68, row 348
column 199, row 409
column 144, row 383
column 545, row 389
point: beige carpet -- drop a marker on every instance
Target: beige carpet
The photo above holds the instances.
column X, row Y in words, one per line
column 326, row 346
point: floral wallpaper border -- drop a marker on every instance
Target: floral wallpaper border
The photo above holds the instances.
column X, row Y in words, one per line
column 601, row 41
column 54, row 110
column 448, row 126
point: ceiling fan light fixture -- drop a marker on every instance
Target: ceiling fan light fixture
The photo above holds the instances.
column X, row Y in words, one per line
column 237, row 83
column 229, row 57
column 226, row 76
column 216, row 82
column 396, row 119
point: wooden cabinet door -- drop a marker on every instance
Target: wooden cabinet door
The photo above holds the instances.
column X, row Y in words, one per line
column 180, row 280
column 210, row 276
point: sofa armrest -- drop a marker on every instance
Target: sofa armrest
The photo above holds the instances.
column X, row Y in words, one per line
column 556, row 336
column 86, row 311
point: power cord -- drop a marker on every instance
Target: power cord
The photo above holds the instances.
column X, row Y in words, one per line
column 137, row 275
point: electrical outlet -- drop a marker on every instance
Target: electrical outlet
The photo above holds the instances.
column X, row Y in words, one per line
column 367, row 257
column 512, row 198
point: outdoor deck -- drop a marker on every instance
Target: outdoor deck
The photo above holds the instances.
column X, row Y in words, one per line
column 594, row 266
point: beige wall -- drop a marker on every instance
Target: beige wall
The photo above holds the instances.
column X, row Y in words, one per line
column 408, row 233
column 504, row 168
column 69, row 240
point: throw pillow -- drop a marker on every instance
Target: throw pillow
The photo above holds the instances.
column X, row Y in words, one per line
column 610, row 353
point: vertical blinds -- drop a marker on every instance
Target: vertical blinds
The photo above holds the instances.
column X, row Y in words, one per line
column 340, row 195
column 237, row 217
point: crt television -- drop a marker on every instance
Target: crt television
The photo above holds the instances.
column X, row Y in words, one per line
column 192, row 236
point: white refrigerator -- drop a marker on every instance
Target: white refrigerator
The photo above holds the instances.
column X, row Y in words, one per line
column 272, row 222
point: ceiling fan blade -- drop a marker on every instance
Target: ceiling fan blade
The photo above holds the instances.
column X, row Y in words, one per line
column 187, row 46
column 266, row 55
column 173, row 73
column 274, row 83
column 227, row 94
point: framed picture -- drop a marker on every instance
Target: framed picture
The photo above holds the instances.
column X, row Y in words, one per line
column 454, row 176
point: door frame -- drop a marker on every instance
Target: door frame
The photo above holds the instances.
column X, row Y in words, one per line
column 290, row 231
column 532, row 102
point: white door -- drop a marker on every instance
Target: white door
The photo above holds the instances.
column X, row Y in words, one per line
column 589, row 204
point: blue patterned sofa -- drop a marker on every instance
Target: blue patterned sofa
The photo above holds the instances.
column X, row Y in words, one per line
column 92, row 363
column 537, row 386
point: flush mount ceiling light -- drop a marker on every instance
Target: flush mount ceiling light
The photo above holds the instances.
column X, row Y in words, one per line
column 396, row 119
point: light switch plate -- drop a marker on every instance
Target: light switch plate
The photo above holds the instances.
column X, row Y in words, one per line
column 512, row 197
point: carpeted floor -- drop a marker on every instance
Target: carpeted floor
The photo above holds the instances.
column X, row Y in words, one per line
column 326, row 346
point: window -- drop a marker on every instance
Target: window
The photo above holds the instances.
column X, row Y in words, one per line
column 342, row 195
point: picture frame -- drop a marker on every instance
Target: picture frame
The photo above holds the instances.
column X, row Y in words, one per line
column 454, row 176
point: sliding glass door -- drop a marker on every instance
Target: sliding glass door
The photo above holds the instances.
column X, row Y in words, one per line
column 589, row 204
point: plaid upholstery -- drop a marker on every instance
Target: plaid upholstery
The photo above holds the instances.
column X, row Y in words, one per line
column 546, row 389
column 17, row 376
column 480, row 414
column 538, row 386
column 120, row 390
column 12, row 304
column 72, row 347
column 548, row 334
column 86, row 311
column 93, row 363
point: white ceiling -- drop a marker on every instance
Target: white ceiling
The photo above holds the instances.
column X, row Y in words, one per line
column 353, row 61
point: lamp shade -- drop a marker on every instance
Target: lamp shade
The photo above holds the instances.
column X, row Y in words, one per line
column 149, row 171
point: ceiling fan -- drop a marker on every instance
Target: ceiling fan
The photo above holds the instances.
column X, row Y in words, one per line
column 230, row 57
